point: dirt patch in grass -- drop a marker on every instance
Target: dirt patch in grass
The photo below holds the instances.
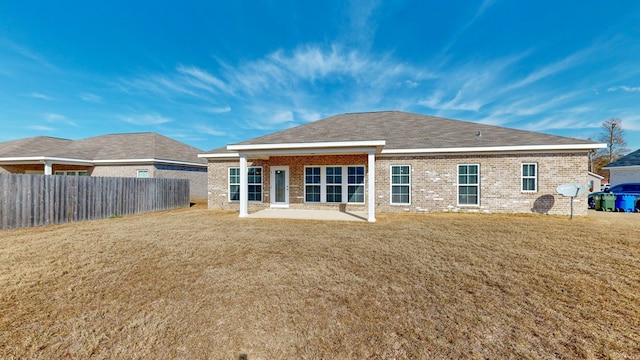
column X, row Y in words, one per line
column 195, row 283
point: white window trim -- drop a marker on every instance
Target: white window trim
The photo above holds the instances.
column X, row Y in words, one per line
column 344, row 185
column 522, row 178
column 391, row 184
column 261, row 184
column 458, row 186
column 341, row 185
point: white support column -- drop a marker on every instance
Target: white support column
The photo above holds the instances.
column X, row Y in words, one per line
column 244, row 188
column 48, row 168
column 372, row 186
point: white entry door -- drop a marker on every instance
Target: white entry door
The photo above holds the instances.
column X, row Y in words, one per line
column 279, row 186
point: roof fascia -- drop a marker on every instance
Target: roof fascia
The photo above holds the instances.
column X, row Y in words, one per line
column 69, row 161
column 317, row 151
column 307, row 146
column 493, row 149
column 220, row 156
column 42, row 159
column 146, row 161
column 595, row 175
column 628, row 167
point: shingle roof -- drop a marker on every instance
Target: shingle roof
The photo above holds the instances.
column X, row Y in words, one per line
column 33, row 146
column 147, row 145
column 632, row 159
column 402, row 130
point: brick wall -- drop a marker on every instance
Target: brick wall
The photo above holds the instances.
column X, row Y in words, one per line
column 197, row 178
column 434, row 182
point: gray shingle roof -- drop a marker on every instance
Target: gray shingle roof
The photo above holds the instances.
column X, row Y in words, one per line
column 632, row 159
column 147, row 145
column 33, row 146
column 402, row 130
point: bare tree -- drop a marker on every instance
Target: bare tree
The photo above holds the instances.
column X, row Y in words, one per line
column 612, row 134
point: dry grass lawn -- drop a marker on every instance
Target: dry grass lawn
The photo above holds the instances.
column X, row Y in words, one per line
column 199, row 284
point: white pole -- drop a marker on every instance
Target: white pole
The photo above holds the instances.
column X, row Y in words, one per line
column 244, row 179
column 372, row 186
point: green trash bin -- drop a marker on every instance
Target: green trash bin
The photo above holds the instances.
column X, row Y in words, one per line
column 597, row 198
column 608, row 202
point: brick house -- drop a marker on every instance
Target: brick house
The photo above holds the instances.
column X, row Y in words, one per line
column 398, row 162
column 118, row 155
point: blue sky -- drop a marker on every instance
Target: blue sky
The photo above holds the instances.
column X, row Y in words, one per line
column 210, row 73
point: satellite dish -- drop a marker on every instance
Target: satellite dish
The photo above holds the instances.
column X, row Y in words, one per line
column 571, row 190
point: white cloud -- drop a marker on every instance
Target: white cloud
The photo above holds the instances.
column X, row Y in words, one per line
column 559, row 66
column 58, row 119
column 556, row 122
column 471, row 86
column 25, row 52
column 41, row 128
column 361, row 27
column 282, row 117
column 42, row 96
column 202, row 79
column 92, row 98
column 624, row 88
column 145, row 119
column 411, row 84
column 308, row 115
column 203, row 129
column 217, row 110
column 53, row 117
column 486, row 4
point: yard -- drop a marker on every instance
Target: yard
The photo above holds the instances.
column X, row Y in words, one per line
column 198, row 284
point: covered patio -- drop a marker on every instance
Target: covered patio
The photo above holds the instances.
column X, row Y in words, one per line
column 280, row 176
column 299, row 214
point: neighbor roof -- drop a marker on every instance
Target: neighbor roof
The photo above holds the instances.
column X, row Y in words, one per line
column 33, row 146
column 406, row 131
column 632, row 159
column 112, row 147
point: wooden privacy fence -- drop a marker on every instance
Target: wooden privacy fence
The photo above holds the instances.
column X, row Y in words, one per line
column 34, row 200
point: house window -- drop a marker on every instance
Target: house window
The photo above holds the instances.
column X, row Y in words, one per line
column 400, row 184
column 254, row 181
column 71, row 173
column 326, row 184
column 312, row 180
column 468, row 184
column 142, row 173
column 530, row 177
column 355, row 184
column 334, row 184
column 254, row 184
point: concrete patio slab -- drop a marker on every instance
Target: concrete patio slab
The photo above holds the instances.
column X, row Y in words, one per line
column 309, row 215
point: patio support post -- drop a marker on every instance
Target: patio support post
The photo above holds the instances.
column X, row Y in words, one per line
column 48, row 168
column 244, row 179
column 372, row 186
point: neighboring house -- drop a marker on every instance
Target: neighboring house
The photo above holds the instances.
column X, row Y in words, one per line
column 399, row 162
column 625, row 170
column 594, row 182
column 122, row 155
